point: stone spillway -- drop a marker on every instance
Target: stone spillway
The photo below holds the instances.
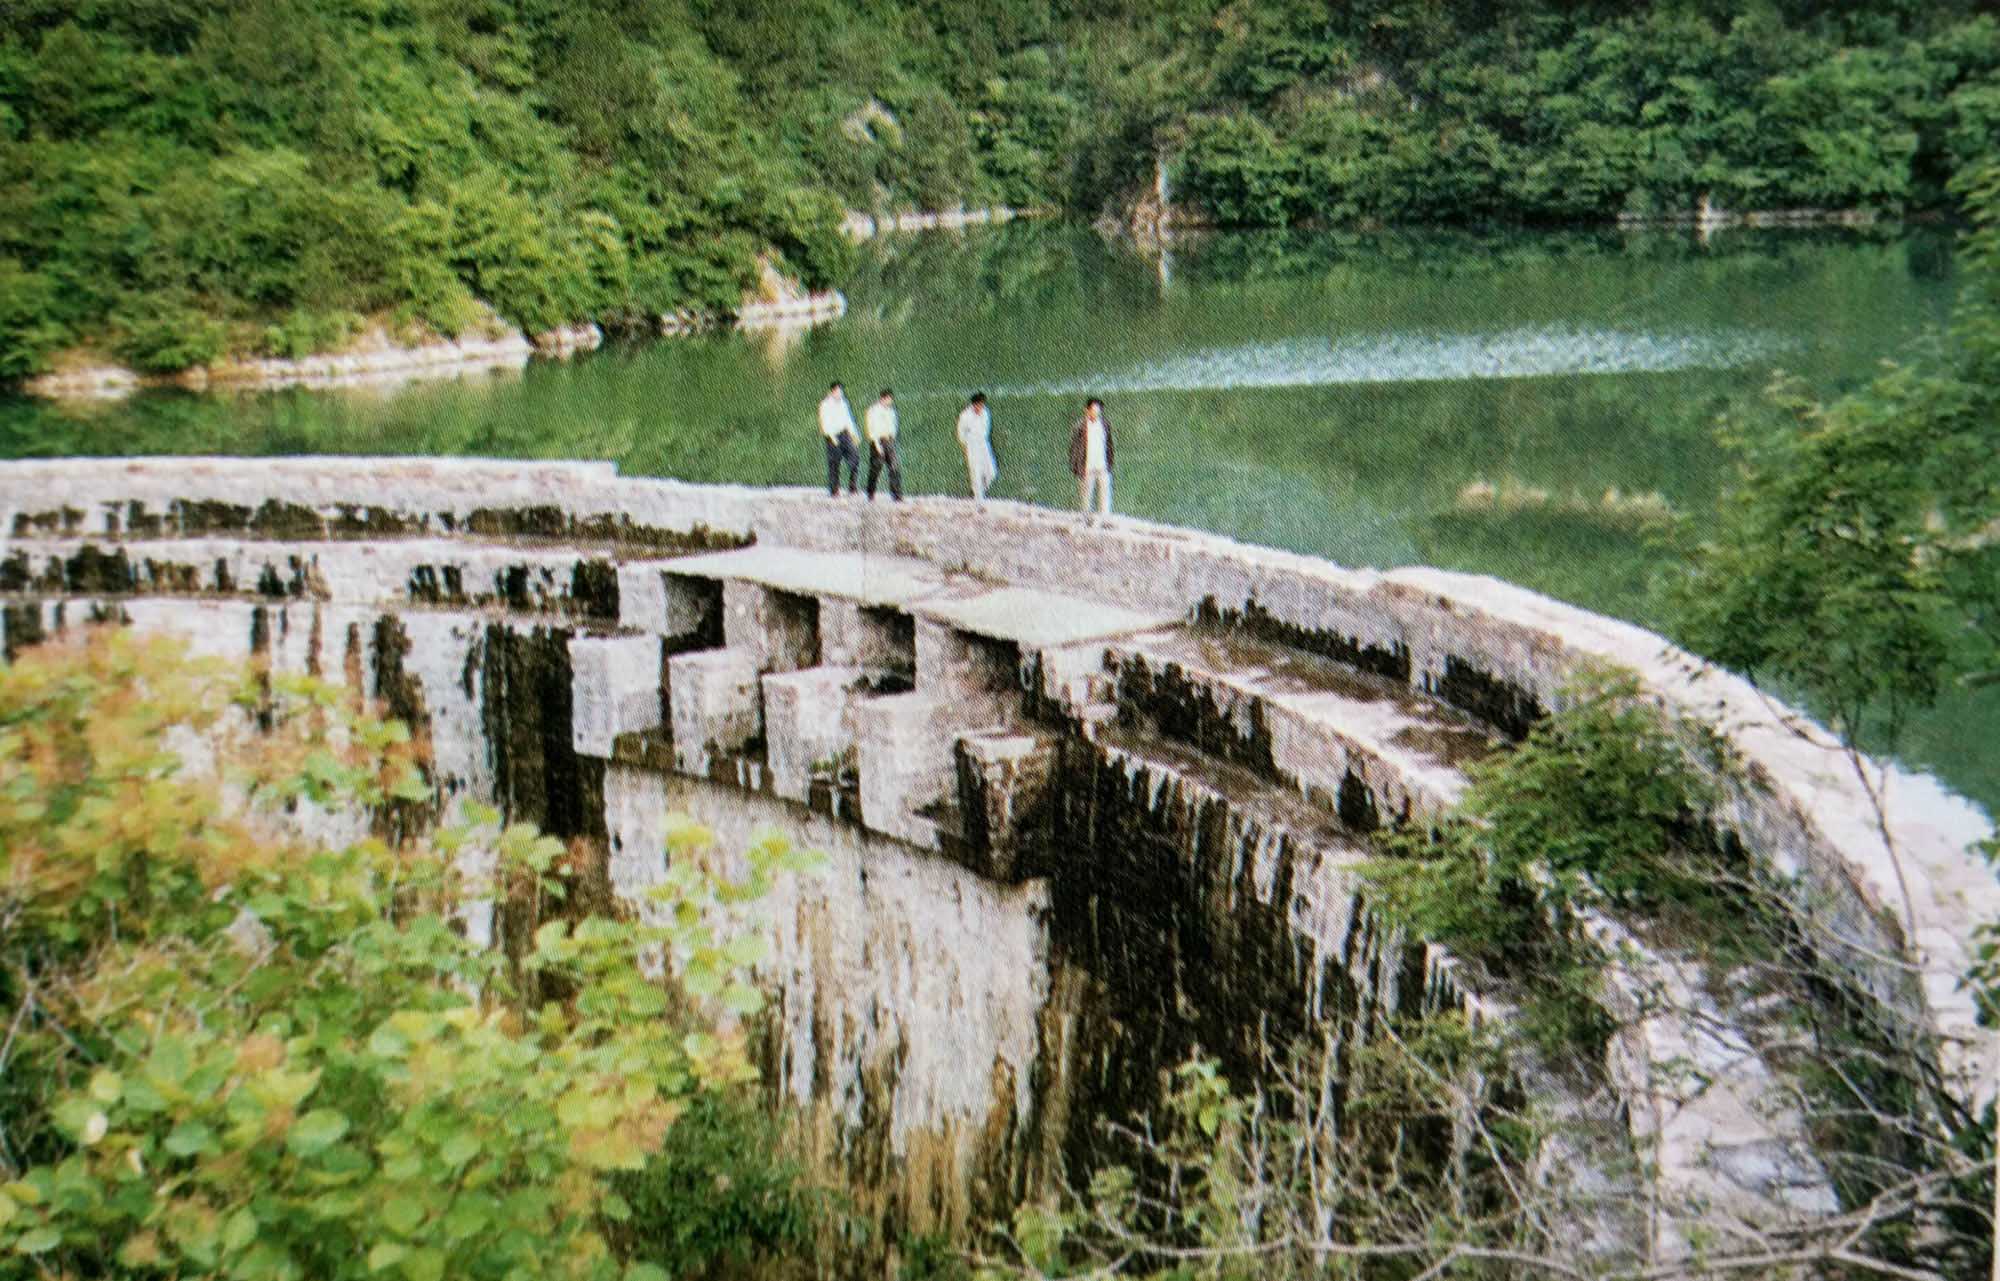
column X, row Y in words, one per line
column 1092, row 796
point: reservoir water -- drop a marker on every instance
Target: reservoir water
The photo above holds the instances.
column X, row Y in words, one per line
column 1540, row 407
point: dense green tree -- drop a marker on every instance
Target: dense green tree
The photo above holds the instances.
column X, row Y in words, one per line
column 183, row 179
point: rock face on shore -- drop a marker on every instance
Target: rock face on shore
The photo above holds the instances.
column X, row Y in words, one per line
column 377, row 359
column 382, row 359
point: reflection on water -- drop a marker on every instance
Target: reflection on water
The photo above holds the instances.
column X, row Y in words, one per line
column 1538, row 407
column 1406, row 357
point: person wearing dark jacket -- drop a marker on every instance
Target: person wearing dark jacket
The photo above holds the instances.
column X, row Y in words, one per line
column 1090, row 458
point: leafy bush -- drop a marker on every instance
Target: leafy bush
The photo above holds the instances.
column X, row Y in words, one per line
column 169, row 330
column 1600, row 810
column 304, row 332
column 238, row 1053
column 720, row 1193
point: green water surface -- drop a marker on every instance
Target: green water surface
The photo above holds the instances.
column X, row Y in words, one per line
column 1530, row 406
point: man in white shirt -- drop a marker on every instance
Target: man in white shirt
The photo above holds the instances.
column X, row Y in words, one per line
column 881, row 421
column 1090, row 458
column 836, row 424
column 975, row 434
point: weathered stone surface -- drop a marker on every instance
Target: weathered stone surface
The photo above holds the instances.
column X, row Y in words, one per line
column 903, row 750
column 1004, row 793
column 866, row 578
column 1036, row 619
column 914, row 1056
column 716, row 706
column 806, row 726
column 877, row 638
column 1230, row 776
column 778, row 629
column 619, row 689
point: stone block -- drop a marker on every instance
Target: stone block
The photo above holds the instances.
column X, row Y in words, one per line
column 780, row 629
column 1003, row 796
column 1073, row 676
column 642, row 597
column 615, row 689
column 903, row 754
column 979, row 675
column 805, row 721
column 878, row 639
column 713, row 698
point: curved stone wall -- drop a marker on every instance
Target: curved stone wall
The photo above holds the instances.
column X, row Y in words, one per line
column 1091, row 792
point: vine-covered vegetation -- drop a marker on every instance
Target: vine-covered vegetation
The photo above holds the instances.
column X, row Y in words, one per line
column 181, row 179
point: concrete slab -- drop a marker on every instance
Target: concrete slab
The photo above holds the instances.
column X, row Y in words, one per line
column 1035, row 619
column 868, row 579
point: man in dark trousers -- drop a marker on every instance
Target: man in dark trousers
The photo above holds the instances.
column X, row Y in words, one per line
column 881, row 420
column 1090, row 458
column 836, row 424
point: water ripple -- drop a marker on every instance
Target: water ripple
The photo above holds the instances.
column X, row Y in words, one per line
column 1513, row 353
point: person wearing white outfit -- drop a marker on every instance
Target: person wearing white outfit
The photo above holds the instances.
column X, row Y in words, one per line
column 836, row 424
column 975, row 434
column 881, row 428
column 1090, row 458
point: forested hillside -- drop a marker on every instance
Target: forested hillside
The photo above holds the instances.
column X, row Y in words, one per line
column 180, row 179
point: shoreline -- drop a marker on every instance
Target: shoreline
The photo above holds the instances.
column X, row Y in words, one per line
column 862, row 225
column 778, row 306
column 384, row 364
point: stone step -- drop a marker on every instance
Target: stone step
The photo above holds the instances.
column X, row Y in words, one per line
column 1092, row 717
column 1366, row 747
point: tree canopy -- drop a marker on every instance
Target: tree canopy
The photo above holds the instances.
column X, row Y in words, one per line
column 182, row 179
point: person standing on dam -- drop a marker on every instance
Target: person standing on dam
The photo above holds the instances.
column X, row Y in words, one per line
column 975, row 435
column 1090, row 458
column 836, row 424
column 881, row 419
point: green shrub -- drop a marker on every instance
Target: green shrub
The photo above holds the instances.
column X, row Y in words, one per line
column 720, row 1191
column 29, row 329
column 303, row 333
column 235, row 1053
column 168, row 331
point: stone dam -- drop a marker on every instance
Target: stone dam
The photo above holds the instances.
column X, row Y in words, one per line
column 1092, row 796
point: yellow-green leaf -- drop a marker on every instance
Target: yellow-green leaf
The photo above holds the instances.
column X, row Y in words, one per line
column 316, row 1131
column 240, row 1231
column 40, row 1241
column 426, row 1264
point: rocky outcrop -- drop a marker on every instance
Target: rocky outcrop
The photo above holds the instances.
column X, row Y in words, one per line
column 376, row 360
column 865, row 226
